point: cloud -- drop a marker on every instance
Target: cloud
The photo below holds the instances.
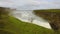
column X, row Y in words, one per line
column 41, row 4
column 30, row 4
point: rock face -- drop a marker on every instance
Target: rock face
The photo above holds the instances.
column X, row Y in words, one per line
column 53, row 16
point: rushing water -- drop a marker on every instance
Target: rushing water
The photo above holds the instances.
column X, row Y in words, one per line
column 27, row 15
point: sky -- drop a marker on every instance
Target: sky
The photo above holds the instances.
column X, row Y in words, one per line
column 30, row 4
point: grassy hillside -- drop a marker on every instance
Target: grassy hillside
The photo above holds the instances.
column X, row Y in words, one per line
column 48, row 14
column 16, row 26
column 49, row 10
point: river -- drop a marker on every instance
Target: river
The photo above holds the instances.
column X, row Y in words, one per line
column 27, row 15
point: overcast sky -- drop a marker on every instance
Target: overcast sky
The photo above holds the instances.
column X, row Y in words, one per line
column 30, row 4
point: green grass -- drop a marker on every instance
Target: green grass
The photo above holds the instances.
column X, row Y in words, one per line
column 18, row 27
column 49, row 10
column 48, row 14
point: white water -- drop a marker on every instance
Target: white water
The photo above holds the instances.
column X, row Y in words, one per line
column 26, row 15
